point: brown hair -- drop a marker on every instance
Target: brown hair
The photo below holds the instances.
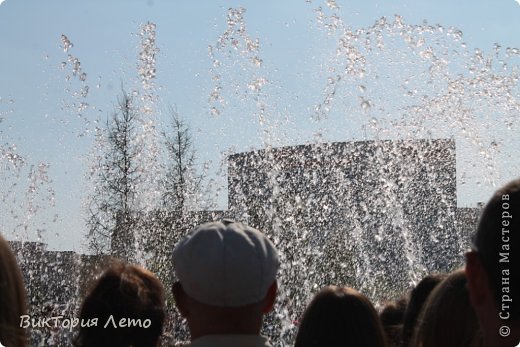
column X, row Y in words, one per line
column 448, row 318
column 123, row 292
column 340, row 317
column 498, row 239
column 418, row 298
column 391, row 318
column 12, row 298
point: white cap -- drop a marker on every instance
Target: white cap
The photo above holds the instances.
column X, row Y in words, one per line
column 226, row 264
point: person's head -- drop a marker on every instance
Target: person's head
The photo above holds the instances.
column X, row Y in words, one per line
column 447, row 318
column 418, row 297
column 226, row 275
column 340, row 317
column 12, row 298
column 125, row 292
column 393, row 312
column 391, row 318
column 493, row 278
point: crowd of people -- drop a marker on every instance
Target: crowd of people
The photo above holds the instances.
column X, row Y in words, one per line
column 227, row 282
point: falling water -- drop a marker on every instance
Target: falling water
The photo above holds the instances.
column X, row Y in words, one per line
column 77, row 86
column 236, row 50
column 403, row 86
column 148, row 135
column 399, row 103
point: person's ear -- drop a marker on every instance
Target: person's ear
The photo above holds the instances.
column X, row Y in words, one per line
column 477, row 279
column 270, row 298
column 180, row 298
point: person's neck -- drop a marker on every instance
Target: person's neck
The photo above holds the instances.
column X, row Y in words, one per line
column 224, row 326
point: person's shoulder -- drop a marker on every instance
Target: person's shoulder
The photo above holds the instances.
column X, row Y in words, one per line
column 224, row 340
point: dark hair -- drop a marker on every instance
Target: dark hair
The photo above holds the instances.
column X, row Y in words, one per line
column 340, row 317
column 393, row 312
column 12, row 298
column 418, row 297
column 392, row 317
column 123, row 292
column 448, row 318
column 497, row 238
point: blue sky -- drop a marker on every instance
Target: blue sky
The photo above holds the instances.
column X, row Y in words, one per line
column 39, row 106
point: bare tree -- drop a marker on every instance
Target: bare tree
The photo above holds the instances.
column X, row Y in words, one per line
column 181, row 183
column 180, row 188
column 110, row 210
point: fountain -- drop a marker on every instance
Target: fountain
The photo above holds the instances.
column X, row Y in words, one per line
column 361, row 190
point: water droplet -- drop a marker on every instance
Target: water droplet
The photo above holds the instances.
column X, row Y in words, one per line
column 257, row 61
column 456, row 34
column 398, row 21
column 84, row 91
column 66, row 44
column 427, row 53
column 215, row 111
column 257, row 84
column 365, row 105
column 332, row 5
column 82, row 106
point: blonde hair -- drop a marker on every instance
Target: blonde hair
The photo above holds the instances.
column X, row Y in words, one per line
column 12, row 298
